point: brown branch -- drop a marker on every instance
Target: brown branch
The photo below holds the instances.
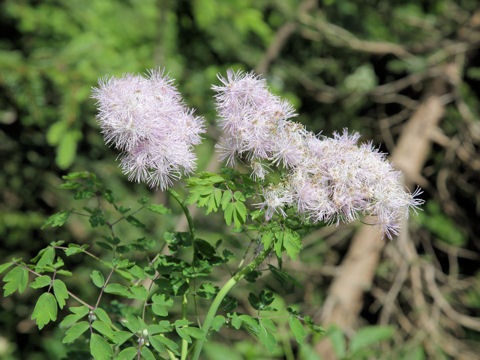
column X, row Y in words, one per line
column 339, row 36
column 281, row 37
column 464, row 320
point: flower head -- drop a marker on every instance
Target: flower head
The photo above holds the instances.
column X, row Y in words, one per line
column 327, row 179
column 347, row 180
column 146, row 119
column 250, row 116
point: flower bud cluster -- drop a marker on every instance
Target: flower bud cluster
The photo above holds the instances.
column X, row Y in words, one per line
column 328, row 179
column 146, row 119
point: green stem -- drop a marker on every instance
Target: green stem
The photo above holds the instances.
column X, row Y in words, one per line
column 212, row 311
column 191, row 228
column 176, row 196
column 184, row 317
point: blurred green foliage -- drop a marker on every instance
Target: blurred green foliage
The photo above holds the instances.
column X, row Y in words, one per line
column 53, row 51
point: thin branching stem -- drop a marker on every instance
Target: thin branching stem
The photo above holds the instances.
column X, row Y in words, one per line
column 212, row 311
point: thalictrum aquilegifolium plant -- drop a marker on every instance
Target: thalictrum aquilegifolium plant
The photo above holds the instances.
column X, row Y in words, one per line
column 289, row 181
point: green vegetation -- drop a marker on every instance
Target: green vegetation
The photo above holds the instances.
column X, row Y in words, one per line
column 365, row 65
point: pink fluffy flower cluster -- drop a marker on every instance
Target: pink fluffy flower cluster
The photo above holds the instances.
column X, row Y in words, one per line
column 327, row 179
column 147, row 120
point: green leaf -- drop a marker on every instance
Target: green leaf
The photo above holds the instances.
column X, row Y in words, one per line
column 139, row 292
column 236, row 321
column 15, row 279
column 171, row 345
column 97, row 218
column 138, row 272
column 79, row 310
column 267, row 239
column 207, row 290
column 107, row 194
column 228, row 304
column 60, row 291
column 102, row 315
column 40, row 282
column 127, row 354
column 241, row 210
column 157, row 345
column 103, row 329
column 181, row 322
column 119, row 337
column 67, row 148
column 266, row 336
column 47, row 258
column 100, row 348
column 75, row 332
column 218, row 322
column 217, row 194
column 158, row 208
column 56, row 220
column 283, row 277
column 78, row 313
column 226, row 198
column 5, row 266
column 64, row 273
column 74, row 249
column 45, row 310
column 118, row 289
column 292, row 243
column 97, row 278
column 261, row 301
column 77, row 175
column 56, row 131
column 228, row 213
column 369, row 335
column 194, row 332
column 70, row 185
column 132, row 323
column 238, row 196
column 183, row 334
column 160, row 304
column 134, row 221
column 163, row 326
column 83, row 194
column 278, row 245
column 297, row 329
column 147, row 354
column 251, row 324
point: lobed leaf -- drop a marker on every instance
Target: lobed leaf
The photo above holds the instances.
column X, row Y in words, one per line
column 158, row 208
column 45, row 310
column 60, row 291
column 15, row 279
column 56, row 220
column 40, row 282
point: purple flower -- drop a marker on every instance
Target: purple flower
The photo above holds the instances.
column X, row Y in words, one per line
column 250, row 116
column 345, row 180
column 147, row 120
column 327, row 179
